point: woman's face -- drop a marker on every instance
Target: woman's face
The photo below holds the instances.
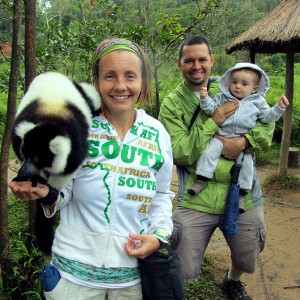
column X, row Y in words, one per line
column 120, row 80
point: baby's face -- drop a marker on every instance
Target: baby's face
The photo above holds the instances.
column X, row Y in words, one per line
column 243, row 83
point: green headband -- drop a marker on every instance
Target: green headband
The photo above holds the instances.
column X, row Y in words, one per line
column 116, row 45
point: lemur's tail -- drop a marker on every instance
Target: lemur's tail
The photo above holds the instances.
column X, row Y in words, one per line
column 44, row 230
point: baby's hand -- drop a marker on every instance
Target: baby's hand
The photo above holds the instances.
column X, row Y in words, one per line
column 203, row 92
column 283, row 102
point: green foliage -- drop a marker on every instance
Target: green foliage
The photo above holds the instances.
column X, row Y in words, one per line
column 66, row 44
column 296, row 100
column 6, row 14
column 169, row 78
column 23, row 284
column 273, row 65
column 295, row 137
column 269, row 157
column 26, row 265
column 169, row 27
column 222, row 63
column 3, row 105
column 4, row 75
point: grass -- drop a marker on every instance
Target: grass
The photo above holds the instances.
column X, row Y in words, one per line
column 25, row 262
column 282, row 183
column 207, row 286
column 269, row 157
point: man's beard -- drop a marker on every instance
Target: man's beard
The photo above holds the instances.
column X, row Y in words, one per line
column 196, row 83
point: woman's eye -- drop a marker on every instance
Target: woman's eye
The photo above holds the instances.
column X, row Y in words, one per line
column 131, row 76
column 108, row 76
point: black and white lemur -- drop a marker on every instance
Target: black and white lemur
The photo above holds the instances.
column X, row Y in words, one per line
column 49, row 137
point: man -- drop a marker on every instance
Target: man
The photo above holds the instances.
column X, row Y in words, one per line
column 201, row 214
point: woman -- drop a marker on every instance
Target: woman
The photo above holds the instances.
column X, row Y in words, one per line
column 118, row 207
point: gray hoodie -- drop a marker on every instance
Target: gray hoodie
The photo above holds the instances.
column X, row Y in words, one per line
column 252, row 108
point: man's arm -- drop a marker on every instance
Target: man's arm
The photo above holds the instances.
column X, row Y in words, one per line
column 187, row 146
column 258, row 138
column 232, row 148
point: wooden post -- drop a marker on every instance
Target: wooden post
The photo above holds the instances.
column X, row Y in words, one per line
column 293, row 160
column 287, row 119
column 252, row 55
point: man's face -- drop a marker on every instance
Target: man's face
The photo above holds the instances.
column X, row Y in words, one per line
column 195, row 65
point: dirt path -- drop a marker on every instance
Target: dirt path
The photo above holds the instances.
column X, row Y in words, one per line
column 277, row 275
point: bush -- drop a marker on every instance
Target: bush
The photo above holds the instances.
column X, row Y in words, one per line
column 269, row 157
column 26, row 263
column 3, row 105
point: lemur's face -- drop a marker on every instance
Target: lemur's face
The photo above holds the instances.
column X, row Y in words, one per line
column 45, row 148
column 35, row 147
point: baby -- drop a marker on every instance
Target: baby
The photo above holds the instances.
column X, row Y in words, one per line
column 247, row 83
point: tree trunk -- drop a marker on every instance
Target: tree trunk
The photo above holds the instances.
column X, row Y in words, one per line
column 30, row 73
column 30, row 35
column 5, row 255
column 140, row 14
column 156, row 81
column 252, row 55
column 287, row 121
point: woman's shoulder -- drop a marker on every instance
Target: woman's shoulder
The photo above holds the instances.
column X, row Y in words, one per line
column 148, row 120
column 143, row 116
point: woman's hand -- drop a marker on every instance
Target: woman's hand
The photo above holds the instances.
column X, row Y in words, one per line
column 141, row 245
column 225, row 111
column 24, row 190
column 232, row 148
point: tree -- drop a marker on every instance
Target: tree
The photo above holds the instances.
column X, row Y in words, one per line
column 160, row 33
column 30, row 73
column 69, row 48
column 5, row 258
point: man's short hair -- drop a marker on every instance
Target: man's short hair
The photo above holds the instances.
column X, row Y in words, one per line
column 194, row 40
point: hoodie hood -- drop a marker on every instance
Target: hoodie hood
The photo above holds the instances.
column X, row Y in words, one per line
column 263, row 86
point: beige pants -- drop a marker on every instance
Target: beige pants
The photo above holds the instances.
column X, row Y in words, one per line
column 197, row 228
column 66, row 290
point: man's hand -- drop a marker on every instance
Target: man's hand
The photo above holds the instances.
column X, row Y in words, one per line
column 224, row 111
column 233, row 148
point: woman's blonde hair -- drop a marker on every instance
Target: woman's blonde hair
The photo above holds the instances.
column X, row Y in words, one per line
column 145, row 97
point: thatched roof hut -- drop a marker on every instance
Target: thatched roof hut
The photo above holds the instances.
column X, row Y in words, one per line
column 278, row 32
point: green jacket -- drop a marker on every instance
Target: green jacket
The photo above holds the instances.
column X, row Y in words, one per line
column 176, row 112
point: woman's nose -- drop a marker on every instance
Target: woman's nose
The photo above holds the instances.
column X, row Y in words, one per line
column 120, row 84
